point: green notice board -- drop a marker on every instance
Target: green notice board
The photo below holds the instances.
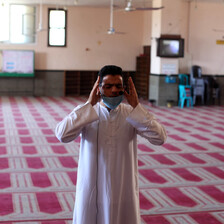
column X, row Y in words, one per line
column 17, row 63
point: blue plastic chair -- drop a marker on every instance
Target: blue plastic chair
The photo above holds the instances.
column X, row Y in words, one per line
column 183, row 79
column 185, row 92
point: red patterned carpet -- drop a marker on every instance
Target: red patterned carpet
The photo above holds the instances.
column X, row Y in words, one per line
column 181, row 182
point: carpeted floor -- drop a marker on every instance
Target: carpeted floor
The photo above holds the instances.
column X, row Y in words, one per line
column 181, row 182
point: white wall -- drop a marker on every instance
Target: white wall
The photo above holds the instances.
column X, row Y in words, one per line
column 175, row 20
column 147, row 27
column 89, row 47
column 87, row 27
column 201, row 27
column 172, row 20
column 206, row 26
column 156, row 31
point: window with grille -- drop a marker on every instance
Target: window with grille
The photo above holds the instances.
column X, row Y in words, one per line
column 57, row 27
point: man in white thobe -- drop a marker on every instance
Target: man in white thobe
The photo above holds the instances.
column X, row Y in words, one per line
column 107, row 190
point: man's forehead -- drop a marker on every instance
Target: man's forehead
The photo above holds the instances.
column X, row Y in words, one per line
column 112, row 78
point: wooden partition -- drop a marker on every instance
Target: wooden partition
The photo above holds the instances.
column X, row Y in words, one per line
column 78, row 83
column 142, row 73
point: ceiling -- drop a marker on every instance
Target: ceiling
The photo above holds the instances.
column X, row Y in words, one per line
column 90, row 3
column 95, row 3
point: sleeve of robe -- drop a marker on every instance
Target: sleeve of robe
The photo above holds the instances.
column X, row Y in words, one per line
column 146, row 125
column 71, row 126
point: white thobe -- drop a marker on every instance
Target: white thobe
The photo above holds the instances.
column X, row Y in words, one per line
column 107, row 190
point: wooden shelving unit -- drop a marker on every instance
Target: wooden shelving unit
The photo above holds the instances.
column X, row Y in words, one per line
column 142, row 73
column 78, row 83
column 71, row 83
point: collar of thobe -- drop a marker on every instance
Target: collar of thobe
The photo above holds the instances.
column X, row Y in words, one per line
column 109, row 111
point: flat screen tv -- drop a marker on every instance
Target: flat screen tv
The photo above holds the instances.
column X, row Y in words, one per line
column 170, row 48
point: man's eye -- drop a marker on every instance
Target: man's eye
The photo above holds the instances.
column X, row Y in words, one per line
column 108, row 86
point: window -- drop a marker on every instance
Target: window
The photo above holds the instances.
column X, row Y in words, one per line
column 4, row 22
column 17, row 24
column 22, row 24
column 57, row 27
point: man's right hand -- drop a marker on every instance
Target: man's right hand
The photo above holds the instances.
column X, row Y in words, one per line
column 95, row 93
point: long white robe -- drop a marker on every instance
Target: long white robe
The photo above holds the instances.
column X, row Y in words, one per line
column 107, row 190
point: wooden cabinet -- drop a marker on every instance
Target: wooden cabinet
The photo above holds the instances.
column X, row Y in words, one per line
column 142, row 74
column 71, row 83
column 78, row 83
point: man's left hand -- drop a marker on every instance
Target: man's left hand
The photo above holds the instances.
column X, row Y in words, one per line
column 132, row 96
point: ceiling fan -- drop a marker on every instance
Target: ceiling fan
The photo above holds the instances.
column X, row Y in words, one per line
column 130, row 8
column 111, row 30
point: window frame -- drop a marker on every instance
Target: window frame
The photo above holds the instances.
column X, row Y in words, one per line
column 10, row 24
column 65, row 28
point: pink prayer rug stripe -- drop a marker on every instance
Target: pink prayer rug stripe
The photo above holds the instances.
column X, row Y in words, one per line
column 197, row 136
column 193, row 158
column 217, row 144
column 163, row 159
column 213, row 192
column 4, row 163
column 152, row 176
column 155, row 219
column 29, row 149
column 5, row 181
column 215, row 171
column 171, row 147
column 217, row 156
column 48, row 202
column 40, row 179
column 205, row 218
column 35, row 163
column 2, row 150
column 196, row 146
column 144, row 203
column 179, row 197
column 186, row 174
column 6, row 204
column 177, row 137
column 144, row 148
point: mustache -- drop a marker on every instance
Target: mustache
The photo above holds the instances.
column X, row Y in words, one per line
column 120, row 93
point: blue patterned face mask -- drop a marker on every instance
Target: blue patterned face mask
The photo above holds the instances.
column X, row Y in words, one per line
column 112, row 102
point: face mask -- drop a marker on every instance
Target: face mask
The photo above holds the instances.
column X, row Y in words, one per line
column 112, row 102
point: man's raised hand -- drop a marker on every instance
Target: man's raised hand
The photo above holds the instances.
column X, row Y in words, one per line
column 95, row 93
column 132, row 97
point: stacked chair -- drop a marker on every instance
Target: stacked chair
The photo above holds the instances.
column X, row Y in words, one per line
column 197, row 83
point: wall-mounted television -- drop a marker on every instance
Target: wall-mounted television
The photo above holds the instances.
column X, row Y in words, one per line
column 170, row 47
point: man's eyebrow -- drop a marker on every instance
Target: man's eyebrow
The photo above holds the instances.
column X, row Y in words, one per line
column 112, row 84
